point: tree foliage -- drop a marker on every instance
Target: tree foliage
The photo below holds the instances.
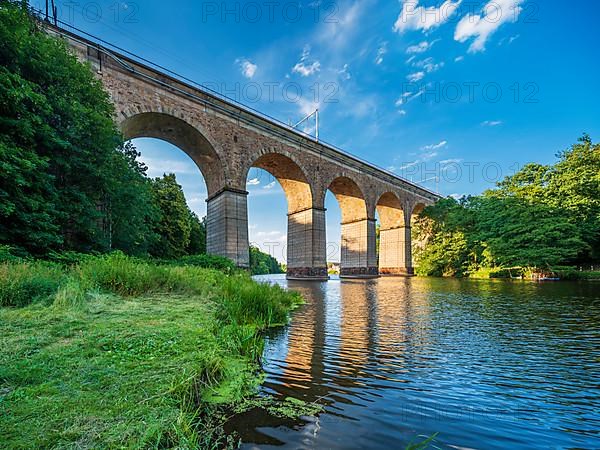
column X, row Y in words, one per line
column 174, row 226
column 540, row 217
column 263, row 263
column 64, row 184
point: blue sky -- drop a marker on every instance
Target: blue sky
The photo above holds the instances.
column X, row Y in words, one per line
column 453, row 94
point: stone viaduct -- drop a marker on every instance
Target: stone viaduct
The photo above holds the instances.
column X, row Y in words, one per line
column 226, row 139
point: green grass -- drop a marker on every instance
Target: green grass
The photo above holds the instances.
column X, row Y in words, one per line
column 116, row 352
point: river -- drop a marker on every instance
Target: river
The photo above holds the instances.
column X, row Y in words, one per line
column 484, row 364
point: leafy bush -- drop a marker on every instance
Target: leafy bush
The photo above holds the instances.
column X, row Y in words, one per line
column 7, row 255
column 68, row 258
column 24, row 283
column 208, row 262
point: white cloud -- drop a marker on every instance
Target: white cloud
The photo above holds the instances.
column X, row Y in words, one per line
column 156, row 168
column 408, row 165
column 304, row 67
column 513, row 38
column 446, row 162
column 414, row 77
column 408, row 97
column 459, row 58
column 253, row 182
column 402, row 112
column 491, row 123
column 435, row 146
column 269, row 234
column 403, row 99
column 421, row 47
column 344, row 72
column 428, row 64
column 381, row 51
column 247, row 68
column 362, row 108
column 271, row 185
column 338, row 32
column 481, row 26
column 415, row 17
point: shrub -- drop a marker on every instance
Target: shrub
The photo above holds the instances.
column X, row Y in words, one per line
column 208, row 262
column 68, row 258
column 7, row 254
column 24, row 283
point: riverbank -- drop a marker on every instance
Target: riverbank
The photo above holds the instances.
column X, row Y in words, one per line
column 117, row 352
column 559, row 273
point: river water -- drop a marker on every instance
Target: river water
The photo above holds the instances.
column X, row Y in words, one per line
column 484, row 364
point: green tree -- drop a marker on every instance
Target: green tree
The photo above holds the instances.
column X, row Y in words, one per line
column 131, row 212
column 263, row 263
column 530, row 183
column 572, row 185
column 441, row 235
column 197, row 244
column 520, row 233
column 575, row 189
column 174, row 226
column 63, row 185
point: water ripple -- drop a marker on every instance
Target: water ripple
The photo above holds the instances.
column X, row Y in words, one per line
column 485, row 364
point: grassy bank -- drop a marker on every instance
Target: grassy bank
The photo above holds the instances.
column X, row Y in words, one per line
column 114, row 352
column 562, row 272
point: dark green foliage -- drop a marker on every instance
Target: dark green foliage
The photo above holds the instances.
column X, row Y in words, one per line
column 7, row 254
column 515, row 232
column 541, row 217
column 571, row 186
column 263, row 263
column 442, row 247
column 197, row 244
column 63, row 184
column 131, row 211
column 455, row 239
column 174, row 226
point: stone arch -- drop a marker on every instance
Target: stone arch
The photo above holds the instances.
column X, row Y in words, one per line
column 415, row 209
column 391, row 211
column 350, row 197
column 183, row 135
column 306, row 224
column 291, row 177
column 358, row 240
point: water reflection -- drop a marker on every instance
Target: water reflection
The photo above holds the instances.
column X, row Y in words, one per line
column 484, row 364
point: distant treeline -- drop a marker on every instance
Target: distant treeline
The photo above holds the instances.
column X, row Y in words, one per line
column 68, row 180
column 543, row 217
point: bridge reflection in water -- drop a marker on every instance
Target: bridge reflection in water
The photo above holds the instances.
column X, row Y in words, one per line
column 485, row 364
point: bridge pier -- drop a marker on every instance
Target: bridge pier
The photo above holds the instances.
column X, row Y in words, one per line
column 227, row 226
column 306, row 247
column 395, row 253
column 359, row 253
